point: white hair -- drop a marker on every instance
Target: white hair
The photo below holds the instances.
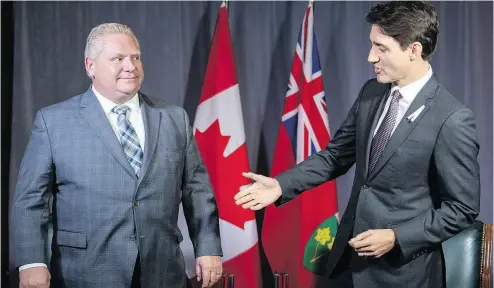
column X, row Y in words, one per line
column 94, row 40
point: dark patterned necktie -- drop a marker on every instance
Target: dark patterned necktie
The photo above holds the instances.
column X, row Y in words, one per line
column 384, row 132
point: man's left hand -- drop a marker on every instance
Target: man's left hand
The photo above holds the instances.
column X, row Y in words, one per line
column 374, row 243
column 209, row 269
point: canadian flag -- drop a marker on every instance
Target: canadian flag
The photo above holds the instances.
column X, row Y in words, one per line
column 219, row 132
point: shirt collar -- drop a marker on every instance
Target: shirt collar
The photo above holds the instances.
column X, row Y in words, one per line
column 108, row 105
column 410, row 91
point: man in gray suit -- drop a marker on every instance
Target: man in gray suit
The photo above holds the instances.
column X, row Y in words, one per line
column 415, row 149
column 118, row 164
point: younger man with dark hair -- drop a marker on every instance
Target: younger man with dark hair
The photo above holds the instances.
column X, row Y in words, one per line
column 415, row 149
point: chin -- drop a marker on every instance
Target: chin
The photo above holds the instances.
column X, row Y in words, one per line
column 383, row 79
column 129, row 89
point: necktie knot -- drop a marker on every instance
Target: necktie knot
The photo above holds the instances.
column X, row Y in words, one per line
column 396, row 95
column 121, row 110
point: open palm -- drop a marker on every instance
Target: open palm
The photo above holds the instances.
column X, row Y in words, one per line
column 263, row 192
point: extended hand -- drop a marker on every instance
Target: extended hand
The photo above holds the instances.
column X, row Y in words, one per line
column 260, row 194
column 35, row 277
column 209, row 269
column 374, row 242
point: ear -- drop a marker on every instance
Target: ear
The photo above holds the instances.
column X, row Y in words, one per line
column 415, row 51
column 89, row 65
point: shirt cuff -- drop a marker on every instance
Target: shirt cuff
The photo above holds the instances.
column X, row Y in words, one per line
column 27, row 266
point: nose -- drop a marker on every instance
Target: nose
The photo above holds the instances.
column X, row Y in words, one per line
column 129, row 65
column 372, row 58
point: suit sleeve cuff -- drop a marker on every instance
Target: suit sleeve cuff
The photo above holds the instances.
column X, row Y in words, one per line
column 208, row 246
column 407, row 240
column 284, row 183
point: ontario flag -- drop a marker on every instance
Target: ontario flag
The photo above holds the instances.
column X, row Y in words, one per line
column 219, row 132
column 298, row 237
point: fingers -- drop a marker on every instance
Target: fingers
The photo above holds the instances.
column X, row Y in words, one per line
column 216, row 272
column 361, row 236
column 356, row 241
column 368, row 249
column 378, row 255
column 361, row 243
column 206, row 277
column 252, row 176
column 208, row 269
column 212, row 277
column 250, row 203
column 215, row 276
column 198, row 271
column 372, row 243
column 240, row 196
column 244, row 199
column 264, row 180
column 374, row 252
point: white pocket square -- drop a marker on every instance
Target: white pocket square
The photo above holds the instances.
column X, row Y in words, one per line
column 415, row 114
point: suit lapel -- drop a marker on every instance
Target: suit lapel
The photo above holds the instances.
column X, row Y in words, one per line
column 152, row 119
column 375, row 110
column 405, row 127
column 93, row 113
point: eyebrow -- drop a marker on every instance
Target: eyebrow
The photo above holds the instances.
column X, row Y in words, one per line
column 122, row 55
column 379, row 44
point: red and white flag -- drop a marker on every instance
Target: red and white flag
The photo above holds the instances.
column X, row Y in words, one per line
column 219, row 132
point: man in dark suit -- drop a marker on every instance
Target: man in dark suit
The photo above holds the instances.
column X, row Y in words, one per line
column 118, row 164
column 415, row 149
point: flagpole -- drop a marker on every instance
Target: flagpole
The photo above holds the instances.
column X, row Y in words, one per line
column 311, row 3
column 226, row 3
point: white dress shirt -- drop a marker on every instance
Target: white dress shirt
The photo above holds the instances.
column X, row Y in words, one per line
column 135, row 118
column 408, row 92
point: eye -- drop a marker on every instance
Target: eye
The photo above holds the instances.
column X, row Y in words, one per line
column 382, row 49
column 137, row 57
column 119, row 59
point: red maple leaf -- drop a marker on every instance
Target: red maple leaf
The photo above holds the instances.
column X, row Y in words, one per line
column 225, row 173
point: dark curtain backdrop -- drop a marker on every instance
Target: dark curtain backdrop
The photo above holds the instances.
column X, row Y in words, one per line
column 42, row 63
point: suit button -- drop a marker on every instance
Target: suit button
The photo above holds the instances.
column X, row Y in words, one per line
column 365, row 186
column 136, row 203
column 132, row 237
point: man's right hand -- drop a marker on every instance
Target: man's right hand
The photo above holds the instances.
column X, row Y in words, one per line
column 263, row 192
column 35, row 277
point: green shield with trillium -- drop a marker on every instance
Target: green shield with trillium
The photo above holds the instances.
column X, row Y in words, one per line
column 319, row 246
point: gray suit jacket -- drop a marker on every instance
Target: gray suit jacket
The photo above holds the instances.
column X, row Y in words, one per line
column 425, row 186
column 103, row 214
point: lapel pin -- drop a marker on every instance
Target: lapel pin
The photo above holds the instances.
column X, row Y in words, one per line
column 415, row 114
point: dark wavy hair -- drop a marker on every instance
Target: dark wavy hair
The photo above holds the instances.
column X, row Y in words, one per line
column 407, row 22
